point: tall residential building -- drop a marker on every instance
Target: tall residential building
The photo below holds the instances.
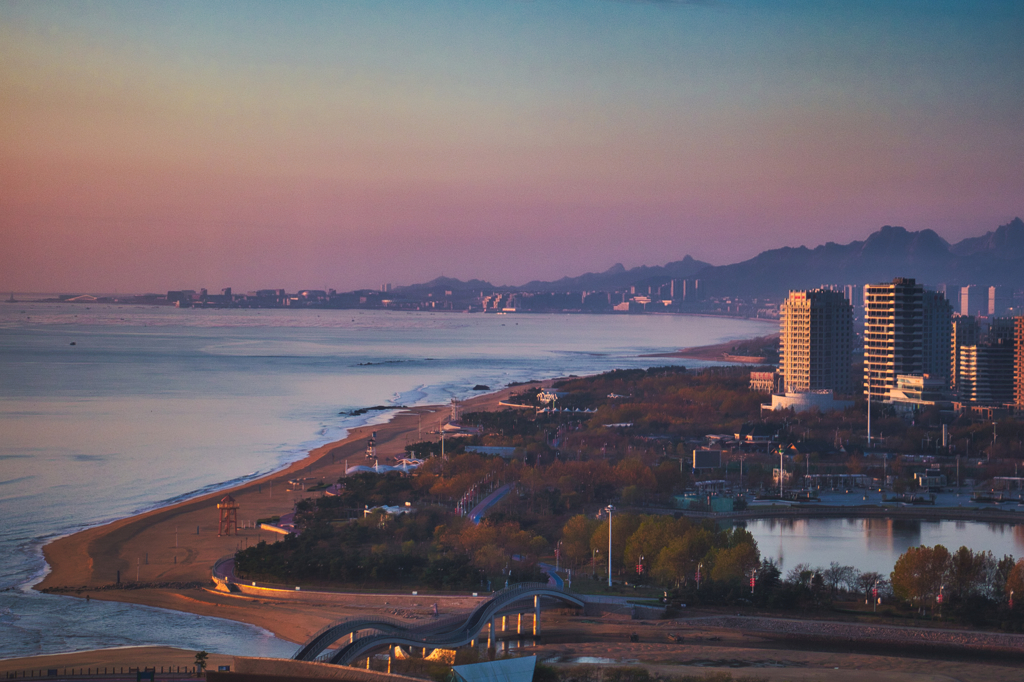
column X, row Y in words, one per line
column 816, row 342
column 966, row 332
column 1000, row 330
column 855, row 295
column 907, row 330
column 973, row 300
column 1018, row 364
column 936, row 330
column 999, row 301
column 986, row 374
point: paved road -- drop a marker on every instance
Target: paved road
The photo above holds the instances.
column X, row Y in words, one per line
column 553, row 577
column 478, row 511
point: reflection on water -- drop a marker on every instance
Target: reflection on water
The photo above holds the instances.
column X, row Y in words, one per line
column 875, row 544
column 890, row 536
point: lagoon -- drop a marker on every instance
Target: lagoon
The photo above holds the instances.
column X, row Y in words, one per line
column 874, row 544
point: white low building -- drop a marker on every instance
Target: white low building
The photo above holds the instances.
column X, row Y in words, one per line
column 822, row 400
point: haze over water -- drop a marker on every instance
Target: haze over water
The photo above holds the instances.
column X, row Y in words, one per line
column 151, row 405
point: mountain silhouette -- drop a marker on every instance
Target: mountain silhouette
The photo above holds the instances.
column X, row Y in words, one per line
column 994, row 258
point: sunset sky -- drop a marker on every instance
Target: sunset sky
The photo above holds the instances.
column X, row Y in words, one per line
column 147, row 146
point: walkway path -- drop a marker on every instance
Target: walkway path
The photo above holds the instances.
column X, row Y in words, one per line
column 478, row 511
column 552, row 573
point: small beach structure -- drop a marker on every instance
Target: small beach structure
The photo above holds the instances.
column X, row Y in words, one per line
column 228, row 509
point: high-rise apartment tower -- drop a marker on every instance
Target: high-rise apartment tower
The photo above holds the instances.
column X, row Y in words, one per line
column 973, row 300
column 816, row 342
column 1018, row 365
column 966, row 332
column 907, row 330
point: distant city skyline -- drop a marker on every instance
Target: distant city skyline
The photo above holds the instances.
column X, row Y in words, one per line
column 153, row 146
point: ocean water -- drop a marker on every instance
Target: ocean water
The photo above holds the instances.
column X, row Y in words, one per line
column 151, row 405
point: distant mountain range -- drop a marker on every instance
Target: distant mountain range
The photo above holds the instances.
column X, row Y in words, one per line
column 614, row 278
column 995, row 258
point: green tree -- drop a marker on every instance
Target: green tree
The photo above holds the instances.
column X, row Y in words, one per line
column 651, row 535
column 919, row 573
column 576, row 534
column 1001, row 574
column 968, row 572
column 735, row 562
column 1015, row 582
column 623, row 526
column 677, row 561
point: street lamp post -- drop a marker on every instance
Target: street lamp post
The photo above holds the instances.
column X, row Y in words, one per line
column 610, row 509
column 781, row 471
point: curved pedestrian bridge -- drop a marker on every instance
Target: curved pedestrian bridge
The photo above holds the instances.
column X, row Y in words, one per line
column 366, row 635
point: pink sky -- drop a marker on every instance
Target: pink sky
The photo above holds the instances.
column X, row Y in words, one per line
column 149, row 153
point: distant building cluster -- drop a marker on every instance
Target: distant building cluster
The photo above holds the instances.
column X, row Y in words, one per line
column 958, row 349
column 918, row 350
column 659, row 295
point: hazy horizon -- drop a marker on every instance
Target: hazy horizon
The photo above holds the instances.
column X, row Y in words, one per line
column 150, row 146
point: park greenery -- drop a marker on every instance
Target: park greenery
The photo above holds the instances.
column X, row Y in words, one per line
column 631, row 449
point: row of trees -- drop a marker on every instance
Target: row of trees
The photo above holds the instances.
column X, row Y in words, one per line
column 924, row 576
column 659, row 548
column 974, row 588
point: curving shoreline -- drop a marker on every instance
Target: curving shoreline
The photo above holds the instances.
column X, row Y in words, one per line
column 178, row 544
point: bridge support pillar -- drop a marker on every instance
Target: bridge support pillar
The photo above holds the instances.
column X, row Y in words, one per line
column 536, row 615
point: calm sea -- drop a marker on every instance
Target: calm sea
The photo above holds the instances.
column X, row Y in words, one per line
column 108, row 410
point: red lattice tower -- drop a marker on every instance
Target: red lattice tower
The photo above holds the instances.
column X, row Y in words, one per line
column 228, row 516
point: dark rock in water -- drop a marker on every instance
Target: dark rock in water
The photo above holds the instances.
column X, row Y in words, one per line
column 481, row 387
column 364, row 410
column 73, row 343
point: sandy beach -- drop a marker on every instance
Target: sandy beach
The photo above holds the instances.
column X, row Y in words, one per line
column 165, row 556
